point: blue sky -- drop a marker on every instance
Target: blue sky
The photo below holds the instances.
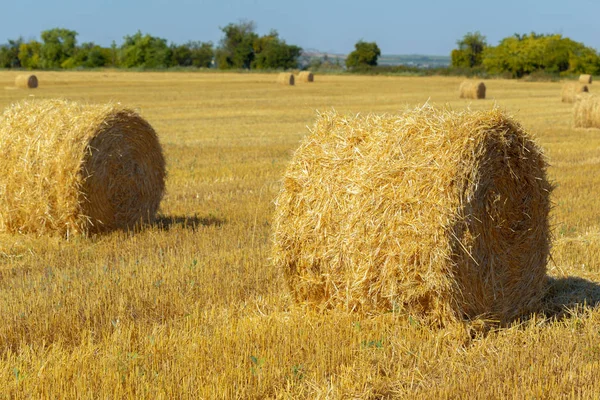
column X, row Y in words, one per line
column 399, row 27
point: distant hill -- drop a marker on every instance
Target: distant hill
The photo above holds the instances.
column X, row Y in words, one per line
column 413, row 60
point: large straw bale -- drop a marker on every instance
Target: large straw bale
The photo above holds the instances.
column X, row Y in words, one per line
column 585, row 78
column 285, row 78
column 441, row 214
column 72, row 168
column 586, row 111
column 26, row 81
column 472, row 90
column 570, row 91
column 306, row 76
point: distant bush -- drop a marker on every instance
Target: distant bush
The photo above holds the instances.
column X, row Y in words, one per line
column 522, row 55
column 364, row 55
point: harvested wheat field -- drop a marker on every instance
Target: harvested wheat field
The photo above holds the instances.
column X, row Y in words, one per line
column 192, row 305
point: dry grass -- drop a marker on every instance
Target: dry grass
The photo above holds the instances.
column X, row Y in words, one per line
column 436, row 213
column 192, row 307
column 72, row 168
column 285, row 78
column 570, row 92
column 306, row 76
column 26, row 81
column 472, row 90
column 586, row 112
column 585, row 79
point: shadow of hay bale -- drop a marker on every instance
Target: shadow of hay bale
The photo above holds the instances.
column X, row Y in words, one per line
column 168, row 222
column 569, row 294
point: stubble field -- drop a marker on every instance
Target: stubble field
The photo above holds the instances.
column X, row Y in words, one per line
column 191, row 307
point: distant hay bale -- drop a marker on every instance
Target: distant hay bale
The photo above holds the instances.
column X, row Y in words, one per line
column 306, row 76
column 570, row 91
column 285, row 78
column 472, row 90
column 585, row 78
column 26, row 81
column 437, row 213
column 71, row 168
column 586, row 112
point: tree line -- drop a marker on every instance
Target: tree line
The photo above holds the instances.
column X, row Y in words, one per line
column 520, row 55
column 240, row 48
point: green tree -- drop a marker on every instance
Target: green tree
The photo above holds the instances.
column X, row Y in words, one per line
column 365, row 54
column 30, row 54
column 9, row 54
column 181, row 55
column 58, row 45
column 236, row 47
column 271, row 52
column 521, row 55
column 203, row 54
column 470, row 51
column 145, row 51
column 192, row 54
column 89, row 55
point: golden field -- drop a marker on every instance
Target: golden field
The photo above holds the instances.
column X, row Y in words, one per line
column 191, row 307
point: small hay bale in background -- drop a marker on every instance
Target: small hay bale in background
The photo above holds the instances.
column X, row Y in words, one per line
column 436, row 213
column 72, row 168
column 26, row 81
column 472, row 90
column 586, row 112
column 285, row 78
column 585, row 78
column 570, row 91
column 306, row 76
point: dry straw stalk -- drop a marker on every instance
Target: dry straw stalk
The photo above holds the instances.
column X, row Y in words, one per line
column 586, row 112
column 437, row 213
column 285, row 78
column 585, row 78
column 570, row 91
column 72, row 168
column 26, row 81
column 472, row 90
column 306, row 76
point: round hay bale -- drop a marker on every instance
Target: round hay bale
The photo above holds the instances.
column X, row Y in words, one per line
column 586, row 111
column 285, row 78
column 472, row 90
column 306, row 76
column 436, row 213
column 72, row 168
column 26, row 81
column 570, row 91
column 585, row 78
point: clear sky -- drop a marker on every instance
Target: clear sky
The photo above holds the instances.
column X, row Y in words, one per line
column 399, row 27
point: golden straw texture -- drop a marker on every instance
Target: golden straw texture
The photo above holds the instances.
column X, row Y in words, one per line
column 285, row 78
column 26, row 81
column 72, row 168
column 472, row 90
column 585, row 78
column 306, row 76
column 586, row 112
column 570, row 91
column 437, row 213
